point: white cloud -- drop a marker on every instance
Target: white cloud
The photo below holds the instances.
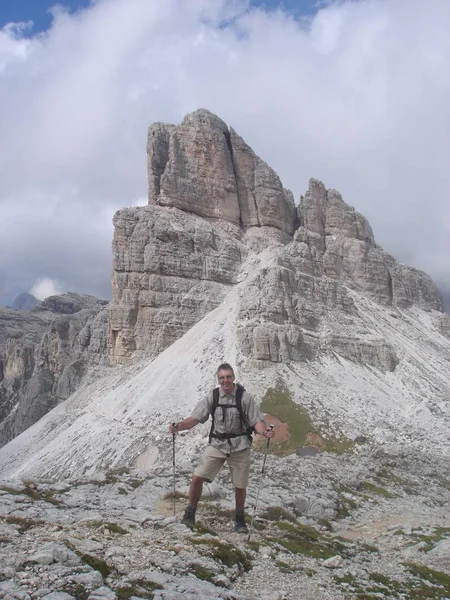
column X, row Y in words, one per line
column 43, row 288
column 359, row 99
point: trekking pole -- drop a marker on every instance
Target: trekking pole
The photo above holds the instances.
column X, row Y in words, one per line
column 259, row 487
column 173, row 465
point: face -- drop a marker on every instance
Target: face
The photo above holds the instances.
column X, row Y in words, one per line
column 226, row 380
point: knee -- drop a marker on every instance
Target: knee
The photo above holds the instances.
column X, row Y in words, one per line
column 197, row 480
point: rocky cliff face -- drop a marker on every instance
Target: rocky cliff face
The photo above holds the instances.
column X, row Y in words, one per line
column 212, row 205
column 170, row 269
column 205, row 168
column 347, row 252
column 46, row 354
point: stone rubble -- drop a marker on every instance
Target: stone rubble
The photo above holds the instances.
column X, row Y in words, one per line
column 96, row 539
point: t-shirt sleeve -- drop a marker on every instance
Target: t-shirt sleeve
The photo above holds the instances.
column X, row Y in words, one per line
column 252, row 411
column 203, row 409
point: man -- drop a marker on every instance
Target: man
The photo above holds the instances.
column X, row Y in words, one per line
column 229, row 440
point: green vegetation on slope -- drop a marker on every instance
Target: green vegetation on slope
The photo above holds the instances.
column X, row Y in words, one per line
column 278, row 402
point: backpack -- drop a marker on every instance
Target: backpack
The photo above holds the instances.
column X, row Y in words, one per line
column 227, row 436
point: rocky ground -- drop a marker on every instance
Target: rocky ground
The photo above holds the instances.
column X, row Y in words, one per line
column 367, row 524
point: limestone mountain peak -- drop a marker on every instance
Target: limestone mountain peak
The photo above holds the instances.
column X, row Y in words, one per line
column 203, row 167
column 212, row 204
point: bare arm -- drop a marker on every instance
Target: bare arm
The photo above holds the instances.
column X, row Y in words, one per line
column 188, row 423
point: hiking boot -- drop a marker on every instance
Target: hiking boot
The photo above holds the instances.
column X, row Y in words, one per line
column 240, row 525
column 189, row 516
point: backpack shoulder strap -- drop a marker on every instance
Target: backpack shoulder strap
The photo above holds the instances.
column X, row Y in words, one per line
column 249, row 430
column 239, row 391
column 215, row 403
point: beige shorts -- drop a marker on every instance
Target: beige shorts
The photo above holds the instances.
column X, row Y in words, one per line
column 238, row 462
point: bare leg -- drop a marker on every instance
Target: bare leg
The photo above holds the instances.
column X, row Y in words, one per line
column 195, row 492
column 241, row 494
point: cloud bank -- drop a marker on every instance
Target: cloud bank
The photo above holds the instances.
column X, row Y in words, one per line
column 42, row 288
column 357, row 96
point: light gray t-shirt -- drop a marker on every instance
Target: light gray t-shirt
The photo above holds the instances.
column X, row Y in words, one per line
column 227, row 420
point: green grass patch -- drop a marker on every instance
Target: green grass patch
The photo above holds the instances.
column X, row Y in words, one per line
column 432, row 537
column 342, row 512
column 435, row 577
column 142, row 588
column 201, row 572
column 302, row 539
column 32, row 491
column 135, row 483
column 340, row 445
column 278, row 402
column 325, row 523
column 98, row 564
column 377, row 490
column 226, row 513
column 113, row 475
column 283, row 567
column 23, row 523
column 12, row 491
column 412, row 588
column 228, row 554
column 344, row 508
column 277, row 513
column 202, row 529
column 253, row 546
column 258, row 525
column 389, row 476
column 113, row 527
column 368, row 548
column 177, row 496
column 306, row 540
column 344, row 489
column 77, row 590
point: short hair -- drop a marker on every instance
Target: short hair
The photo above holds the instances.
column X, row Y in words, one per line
column 225, row 367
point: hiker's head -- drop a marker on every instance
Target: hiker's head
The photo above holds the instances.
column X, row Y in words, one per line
column 225, row 375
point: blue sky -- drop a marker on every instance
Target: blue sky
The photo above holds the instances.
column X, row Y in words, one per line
column 37, row 10
column 33, row 10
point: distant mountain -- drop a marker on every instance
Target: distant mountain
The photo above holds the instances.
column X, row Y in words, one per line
column 45, row 354
column 24, row 301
